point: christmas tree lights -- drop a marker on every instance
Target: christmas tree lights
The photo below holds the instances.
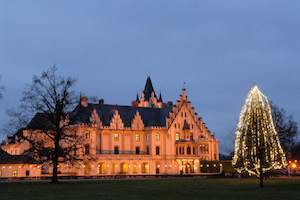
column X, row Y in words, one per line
column 257, row 146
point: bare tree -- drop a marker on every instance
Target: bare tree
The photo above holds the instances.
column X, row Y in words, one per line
column 18, row 120
column 285, row 126
column 52, row 97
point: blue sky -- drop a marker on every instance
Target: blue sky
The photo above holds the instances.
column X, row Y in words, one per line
column 219, row 48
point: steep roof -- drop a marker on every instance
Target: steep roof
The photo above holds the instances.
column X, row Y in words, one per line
column 148, row 89
column 6, row 158
column 150, row 116
column 41, row 121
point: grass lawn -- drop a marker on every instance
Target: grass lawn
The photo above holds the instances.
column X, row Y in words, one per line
column 211, row 188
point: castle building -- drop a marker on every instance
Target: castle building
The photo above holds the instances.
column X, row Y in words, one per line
column 148, row 137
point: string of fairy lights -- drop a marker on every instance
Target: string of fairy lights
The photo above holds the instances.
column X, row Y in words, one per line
column 256, row 137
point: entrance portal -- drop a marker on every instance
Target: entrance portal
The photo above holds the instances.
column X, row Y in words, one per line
column 187, row 168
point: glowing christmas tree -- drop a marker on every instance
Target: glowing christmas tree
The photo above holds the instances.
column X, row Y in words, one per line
column 257, row 146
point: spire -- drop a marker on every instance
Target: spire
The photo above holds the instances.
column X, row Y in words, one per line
column 148, row 89
column 137, row 97
column 160, row 99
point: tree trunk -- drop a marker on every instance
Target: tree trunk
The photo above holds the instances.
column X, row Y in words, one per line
column 261, row 178
column 55, row 158
column 54, row 175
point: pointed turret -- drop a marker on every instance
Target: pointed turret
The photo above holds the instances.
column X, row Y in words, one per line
column 148, row 89
column 160, row 99
column 137, row 97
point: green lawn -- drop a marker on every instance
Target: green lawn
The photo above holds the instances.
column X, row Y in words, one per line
column 211, row 188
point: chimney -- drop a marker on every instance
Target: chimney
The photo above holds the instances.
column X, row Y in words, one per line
column 84, row 101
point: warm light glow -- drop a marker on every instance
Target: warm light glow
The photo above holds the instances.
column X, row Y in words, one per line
column 9, row 167
column 215, row 165
column 295, row 160
column 201, row 165
column 170, row 165
column 195, row 167
column 92, row 165
column 175, row 165
column 158, row 165
column 3, row 167
column 107, row 165
column 207, row 165
column 30, row 165
column 294, row 165
column 19, row 166
column 256, row 133
column 221, row 165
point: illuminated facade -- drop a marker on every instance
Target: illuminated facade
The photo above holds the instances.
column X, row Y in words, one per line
column 148, row 137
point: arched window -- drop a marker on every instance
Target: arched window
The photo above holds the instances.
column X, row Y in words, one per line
column 145, row 168
column 134, row 168
column 113, row 168
column 101, row 168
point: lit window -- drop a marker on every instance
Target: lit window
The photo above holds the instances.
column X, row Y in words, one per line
column 157, row 136
column 137, row 137
column 147, row 136
column 87, row 134
column 177, row 136
column 116, row 136
column 15, row 173
column 0, row 173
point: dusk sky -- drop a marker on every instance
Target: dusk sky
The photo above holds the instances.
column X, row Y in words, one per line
column 219, row 48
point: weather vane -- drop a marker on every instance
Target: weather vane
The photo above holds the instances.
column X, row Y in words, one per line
column 184, row 85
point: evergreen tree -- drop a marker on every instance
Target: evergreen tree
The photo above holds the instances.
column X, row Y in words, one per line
column 257, row 146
